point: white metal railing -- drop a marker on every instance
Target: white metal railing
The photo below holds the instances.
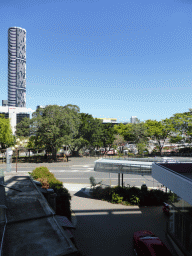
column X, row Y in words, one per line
column 123, row 168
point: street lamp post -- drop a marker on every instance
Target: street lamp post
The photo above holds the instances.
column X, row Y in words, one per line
column 16, row 146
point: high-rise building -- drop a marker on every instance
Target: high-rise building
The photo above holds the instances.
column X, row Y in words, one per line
column 133, row 119
column 16, row 67
column 4, row 103
column 15, row 107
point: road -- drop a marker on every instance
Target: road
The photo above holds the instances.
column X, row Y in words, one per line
column 79, row 170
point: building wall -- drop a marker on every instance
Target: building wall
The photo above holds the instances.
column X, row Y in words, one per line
column 179, row 225
column 15, row 114
column 108, row 120
column 176, row 183
column 17, row 67
column 133, row 119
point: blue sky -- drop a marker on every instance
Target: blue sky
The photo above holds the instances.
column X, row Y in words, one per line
column 111, row 58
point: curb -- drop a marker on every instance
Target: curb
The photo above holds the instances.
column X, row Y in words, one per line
column 73, row 219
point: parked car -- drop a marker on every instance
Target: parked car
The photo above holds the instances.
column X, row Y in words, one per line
column 166, row 208
column 147, row 244
column 169, row 160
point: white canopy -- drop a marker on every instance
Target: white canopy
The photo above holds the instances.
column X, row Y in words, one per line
column 123, row 166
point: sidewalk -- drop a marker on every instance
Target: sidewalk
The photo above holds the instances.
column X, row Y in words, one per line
column 103, row 228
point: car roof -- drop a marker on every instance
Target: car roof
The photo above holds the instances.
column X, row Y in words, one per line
column 156, row 246
column 143, row 232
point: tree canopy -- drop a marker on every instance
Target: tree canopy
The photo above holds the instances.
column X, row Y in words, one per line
column 108, row 135
column 160, row 131
column 53, row 126
column 6, row 137
column 182, row 123
column 89, row 134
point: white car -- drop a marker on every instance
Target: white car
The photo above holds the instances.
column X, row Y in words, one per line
column 169, row 160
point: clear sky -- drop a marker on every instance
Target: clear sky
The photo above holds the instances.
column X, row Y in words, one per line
column 111, row 58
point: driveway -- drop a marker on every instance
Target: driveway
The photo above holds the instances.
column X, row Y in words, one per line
column 107, row 229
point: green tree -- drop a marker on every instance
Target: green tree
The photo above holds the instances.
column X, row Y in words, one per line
column 135, row 133
column 139, row 133
column 160, row 131
column 6, row 137
column 89, row 134
column 140, row 136
column 57, row 126
column 53, row 126
column 119, row 140
column 23, row 128
column 108, row 135
column 141, row 147
column 182, row 123
column 125, row 130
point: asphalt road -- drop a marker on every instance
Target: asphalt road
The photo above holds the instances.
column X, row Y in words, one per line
column 79, row 170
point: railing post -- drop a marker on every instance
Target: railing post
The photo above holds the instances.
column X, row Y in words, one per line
column 119, row 179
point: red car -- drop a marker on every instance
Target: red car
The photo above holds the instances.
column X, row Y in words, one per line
column 147, row 244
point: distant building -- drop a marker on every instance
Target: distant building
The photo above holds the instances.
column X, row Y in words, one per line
column 15, row 114
column 109, row 120
column 39, row 107
column 133, row 119
column 4, row 103
column 16, row 67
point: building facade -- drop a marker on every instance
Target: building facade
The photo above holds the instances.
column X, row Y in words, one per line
column 15, row 114
column 16, row 67
column 109, row 120
column 133, row 119
column 178, row 178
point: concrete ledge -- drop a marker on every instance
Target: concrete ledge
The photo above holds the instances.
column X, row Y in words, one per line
column 176, row 248
column 31, row 226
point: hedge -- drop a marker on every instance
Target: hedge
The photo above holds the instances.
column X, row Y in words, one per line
column 48, row 180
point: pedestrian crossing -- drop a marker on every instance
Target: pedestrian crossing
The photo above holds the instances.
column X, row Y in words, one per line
column 75, row 168
column 71, row 171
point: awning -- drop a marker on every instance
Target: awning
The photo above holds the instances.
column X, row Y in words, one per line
column 64, row 222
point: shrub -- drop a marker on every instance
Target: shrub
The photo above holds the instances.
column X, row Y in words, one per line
column 102, row 193
column 119, row 190
column 97, row 193
column 126, row 203
column 134, row 200
column 153, row 197
column 116, row 198
column 132, row 196
column 172, row 197
column 185, row 150
column 123, row 192
column 93, row 181
column 48, row 179
column 41, row 172
column 44, row 182
column 134, row 191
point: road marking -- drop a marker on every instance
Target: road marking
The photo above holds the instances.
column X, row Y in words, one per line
column 70, row 171
column 90, row 213
column 127, row 212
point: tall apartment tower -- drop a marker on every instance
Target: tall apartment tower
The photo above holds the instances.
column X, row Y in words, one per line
column 133, row 119
column 16, row 67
